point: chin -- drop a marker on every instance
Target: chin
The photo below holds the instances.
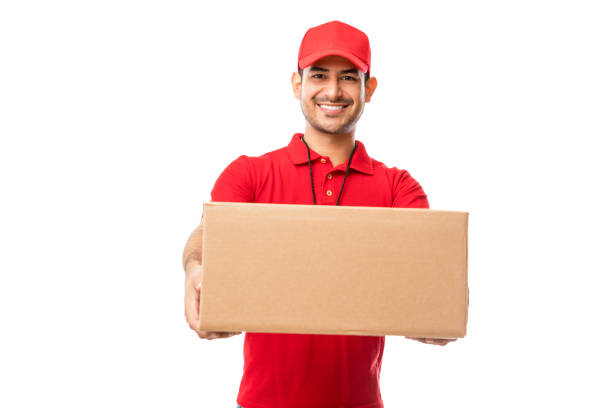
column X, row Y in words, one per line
column 332, row 130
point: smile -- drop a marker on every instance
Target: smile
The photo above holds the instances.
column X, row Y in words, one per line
column 331, row 108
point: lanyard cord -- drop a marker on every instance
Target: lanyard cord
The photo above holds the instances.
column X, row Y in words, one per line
column 314, row 199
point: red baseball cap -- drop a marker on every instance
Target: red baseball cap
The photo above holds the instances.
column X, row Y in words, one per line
column 335, row 38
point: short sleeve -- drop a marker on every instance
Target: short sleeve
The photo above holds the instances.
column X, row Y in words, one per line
column 408, row 192
column 235, row 183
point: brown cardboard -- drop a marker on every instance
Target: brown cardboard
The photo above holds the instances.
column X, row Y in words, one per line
column 289, row 268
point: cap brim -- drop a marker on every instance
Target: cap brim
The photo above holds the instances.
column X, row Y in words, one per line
column 310, row 59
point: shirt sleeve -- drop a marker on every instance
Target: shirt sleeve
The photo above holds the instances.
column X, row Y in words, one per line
column 409, row 193
column 235, row 183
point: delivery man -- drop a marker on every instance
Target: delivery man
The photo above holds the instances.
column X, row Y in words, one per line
column 325, row 165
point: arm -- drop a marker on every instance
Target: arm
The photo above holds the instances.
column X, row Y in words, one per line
column 234, row 184
column 410, row 194
column 193, row 248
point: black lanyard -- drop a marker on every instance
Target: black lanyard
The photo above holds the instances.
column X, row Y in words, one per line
column 345, row 173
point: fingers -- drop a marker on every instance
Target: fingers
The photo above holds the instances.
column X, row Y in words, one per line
column 197, row 303
column 216, row 335
column 437, row 342
column 193, row 290
column 193, row 280
column 192, row 307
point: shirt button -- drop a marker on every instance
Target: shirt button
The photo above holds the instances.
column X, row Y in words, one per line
column 329, row 176
column 323, row 161
column 328, row 192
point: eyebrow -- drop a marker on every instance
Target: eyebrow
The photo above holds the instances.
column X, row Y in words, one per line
column 346, row 71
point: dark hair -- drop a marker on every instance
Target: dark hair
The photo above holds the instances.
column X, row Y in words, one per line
column 366, row 76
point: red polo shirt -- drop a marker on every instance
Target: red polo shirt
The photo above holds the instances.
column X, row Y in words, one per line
column 313, row 371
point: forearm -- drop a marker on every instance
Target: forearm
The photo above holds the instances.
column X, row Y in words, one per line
column 193, row 248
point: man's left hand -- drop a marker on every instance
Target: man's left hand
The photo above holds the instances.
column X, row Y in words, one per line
column 437, row 342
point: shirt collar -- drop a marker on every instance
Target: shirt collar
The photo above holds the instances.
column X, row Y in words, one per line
column 299, row 155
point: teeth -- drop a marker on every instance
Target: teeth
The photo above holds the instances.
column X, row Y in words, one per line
column 331, row 107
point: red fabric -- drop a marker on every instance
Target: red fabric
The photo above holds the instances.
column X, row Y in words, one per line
column 335, row 38
column 306, row 371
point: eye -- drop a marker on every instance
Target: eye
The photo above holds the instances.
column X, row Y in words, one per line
column 317, row 76
column 350, row 77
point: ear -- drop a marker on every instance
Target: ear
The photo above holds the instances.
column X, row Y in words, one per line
column 296, row 83
column 370, row 87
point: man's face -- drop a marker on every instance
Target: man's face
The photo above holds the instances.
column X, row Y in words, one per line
column 332, row 94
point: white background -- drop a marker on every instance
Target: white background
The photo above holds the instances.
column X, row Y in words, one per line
column 116, row 117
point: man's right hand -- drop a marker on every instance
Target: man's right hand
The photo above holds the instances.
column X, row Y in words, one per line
column 193, row 281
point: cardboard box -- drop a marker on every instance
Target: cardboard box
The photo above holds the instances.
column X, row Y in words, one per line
column 350, row 270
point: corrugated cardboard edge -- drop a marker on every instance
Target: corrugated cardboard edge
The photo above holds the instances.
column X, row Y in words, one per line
column 224, row 203
column 204, row 229
column 467, row 286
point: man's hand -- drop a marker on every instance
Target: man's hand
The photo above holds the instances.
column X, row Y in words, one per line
column 437, row 342
column 193, row 280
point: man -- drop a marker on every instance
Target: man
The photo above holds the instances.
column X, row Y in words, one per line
column 323, row 166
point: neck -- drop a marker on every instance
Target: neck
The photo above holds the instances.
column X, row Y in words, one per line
column 337, row 147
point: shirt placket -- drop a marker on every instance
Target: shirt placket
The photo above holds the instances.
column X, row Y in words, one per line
column 330, row 192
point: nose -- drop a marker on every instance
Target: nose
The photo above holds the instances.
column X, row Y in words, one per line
column 333, row 89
